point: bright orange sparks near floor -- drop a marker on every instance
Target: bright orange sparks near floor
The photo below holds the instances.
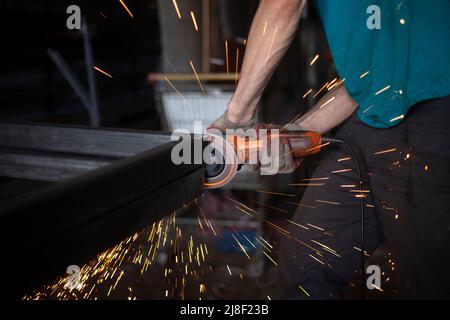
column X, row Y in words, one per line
column 126, row 8
column 176, row 8
column 102, row 71
column 194, row 21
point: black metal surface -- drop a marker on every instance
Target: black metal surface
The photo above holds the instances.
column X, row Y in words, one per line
column 71, row 221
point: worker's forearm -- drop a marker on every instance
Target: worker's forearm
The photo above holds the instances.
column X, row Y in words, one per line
column 331, row 110
column 272, row 31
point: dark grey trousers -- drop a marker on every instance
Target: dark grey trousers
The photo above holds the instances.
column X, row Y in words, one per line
column 406, row 171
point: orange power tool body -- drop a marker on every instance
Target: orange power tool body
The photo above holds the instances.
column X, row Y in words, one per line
column 230, row 152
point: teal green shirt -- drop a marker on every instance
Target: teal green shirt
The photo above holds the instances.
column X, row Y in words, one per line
column 407, row 60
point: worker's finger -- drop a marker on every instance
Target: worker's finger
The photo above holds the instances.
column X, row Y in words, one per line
column 289, row 164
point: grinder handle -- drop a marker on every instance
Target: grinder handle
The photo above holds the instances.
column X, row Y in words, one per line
column 303, row 143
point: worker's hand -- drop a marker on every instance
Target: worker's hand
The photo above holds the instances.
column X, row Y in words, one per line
column 282, row 160
column 223, row 123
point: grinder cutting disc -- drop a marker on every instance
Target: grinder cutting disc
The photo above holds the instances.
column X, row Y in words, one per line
column 224, row 162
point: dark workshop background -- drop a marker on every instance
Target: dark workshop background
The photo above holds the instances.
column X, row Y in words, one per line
column 134, row 50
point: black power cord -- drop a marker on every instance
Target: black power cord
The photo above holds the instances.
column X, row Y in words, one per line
column 362, row 204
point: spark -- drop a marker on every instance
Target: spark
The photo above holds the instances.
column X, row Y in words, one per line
column 344, row 159
column 370, row 107
column 318, row 147
column 304, row 291
column 242, row 247
column 327, row 102
column 277, row 227
column 316, row 179
column 264, row 246
column 314, row 60
column 330, row 85
column 307, row 184
column 266, row 242
column 265, row 28
column 341, row 171
column 426, row 167
column 383, row 90
column 270, row 207
column 242, row 210
column 102, row 71
column 229, row 270
column 196, row 76
column 326, row 248
column 270, row 258
column 241, row 204
column 337, row 84
column 237, row 67
column 271, row 44
column 400, row 117
column 297, row 224
column 364, row 74
column 176, row 8
column 385, row 151
column 402, row 21
column 226, row 56
column 307, row 93
column 251, row 243
column 301, row 205
column 277, row 193
column 348, row 185
column 126, row 8
column 328, row 202
column 365, row 252
column 316, row 259
column 315, row 227
column 194, row 21
column 173, row 87
column 321, row 89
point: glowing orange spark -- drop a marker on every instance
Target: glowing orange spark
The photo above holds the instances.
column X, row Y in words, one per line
column 383, row 90
column 400, row 117
column 321, row 89
column 327, row 102
column 277, row 193
column 102, row 71
column 271, row 44
column 237, row 66
column 196, row 76
column 226, row 56
column 341, row 171
column 307, row 93
column 273, row 261
column 364, row 74
column 304, row 291
column 176, row 8
column 385, row 151
column 314, row 60
column 126, row 8
column 173, row 87
column 194, row 21
column 328, row 202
